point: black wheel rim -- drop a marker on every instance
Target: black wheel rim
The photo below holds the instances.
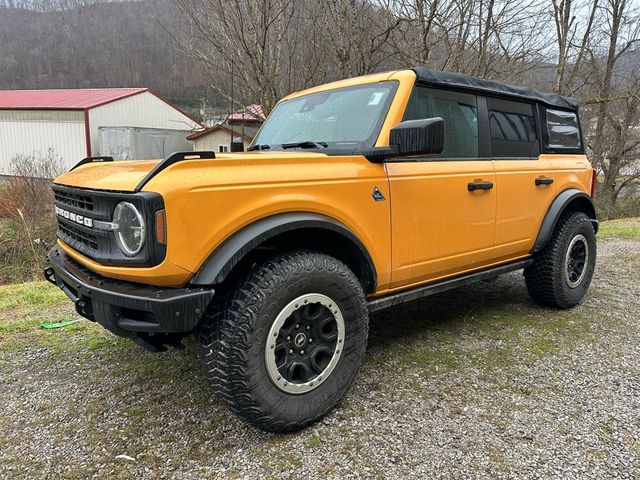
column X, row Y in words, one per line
column 576, row 261
column 304, row 343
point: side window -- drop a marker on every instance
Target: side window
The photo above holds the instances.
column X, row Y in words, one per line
column 563, row 130
column 460, row 114
column 513, row 129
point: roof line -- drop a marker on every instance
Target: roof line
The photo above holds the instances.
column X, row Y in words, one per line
column 69, row 109
column 142, row 90
column 137, row 91
column 199, row 134
column 152, row 92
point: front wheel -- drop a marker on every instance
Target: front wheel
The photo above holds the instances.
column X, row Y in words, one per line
column 560, row 275
column 285, row 347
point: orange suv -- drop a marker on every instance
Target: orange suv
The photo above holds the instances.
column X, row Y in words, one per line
column 353, row 197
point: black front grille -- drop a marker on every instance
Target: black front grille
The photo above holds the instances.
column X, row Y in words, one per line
column 71, row 232
column 91, row 205
column 79, row 209
column 74, row 199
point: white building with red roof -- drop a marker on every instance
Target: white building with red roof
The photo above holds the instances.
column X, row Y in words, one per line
column 119, row 122
column 241, row 125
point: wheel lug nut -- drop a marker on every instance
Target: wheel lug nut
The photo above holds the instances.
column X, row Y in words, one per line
column 290, row 351
column 297, row 326
column 288, row 338
column 311, row 340
column 308, row 327
column 301, row 352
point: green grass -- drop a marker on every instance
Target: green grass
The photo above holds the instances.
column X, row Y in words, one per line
column 24, row 306
column 314, row 442
column 31, row 296
column 628, row 228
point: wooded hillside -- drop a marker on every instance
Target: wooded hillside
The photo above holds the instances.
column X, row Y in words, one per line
column 122, row 44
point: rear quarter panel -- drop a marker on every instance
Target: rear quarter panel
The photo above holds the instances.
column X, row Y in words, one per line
column 570, row 171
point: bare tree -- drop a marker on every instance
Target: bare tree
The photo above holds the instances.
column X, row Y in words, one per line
column 358, row 34
column 574, row 22
column 620, row 32
column 254, row 44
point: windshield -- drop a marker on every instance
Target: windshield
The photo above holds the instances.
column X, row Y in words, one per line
column 342, row 118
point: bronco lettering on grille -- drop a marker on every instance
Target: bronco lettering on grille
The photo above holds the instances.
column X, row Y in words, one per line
column 74, row 217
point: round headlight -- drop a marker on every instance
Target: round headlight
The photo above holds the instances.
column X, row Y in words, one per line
column 130, row 231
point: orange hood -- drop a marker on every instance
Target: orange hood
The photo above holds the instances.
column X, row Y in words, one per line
column 121, row 176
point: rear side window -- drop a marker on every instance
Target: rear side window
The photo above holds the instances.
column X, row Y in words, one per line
column 563, row 130
column 460, row 114
column 513, row 129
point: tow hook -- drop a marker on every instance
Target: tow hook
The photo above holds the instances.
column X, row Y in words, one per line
column 49, row 275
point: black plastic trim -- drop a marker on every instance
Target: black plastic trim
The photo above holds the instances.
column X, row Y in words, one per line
column 484, row 135
column 444, row 285
column 559, row 205
column 86, row 160
column 126, row 308
column 170, row 160
column 222, row 260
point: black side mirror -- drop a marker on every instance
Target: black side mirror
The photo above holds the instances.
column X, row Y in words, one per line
column 418, row 137
column 237, row 145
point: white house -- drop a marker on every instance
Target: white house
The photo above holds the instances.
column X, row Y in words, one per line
column 243, row 125
column 73, row 123
column 218, row 138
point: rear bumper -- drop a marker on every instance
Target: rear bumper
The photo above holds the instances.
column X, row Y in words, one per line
column 127, row 309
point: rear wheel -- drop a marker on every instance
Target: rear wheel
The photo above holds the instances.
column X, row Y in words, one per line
column 560, row 275
column 284, row 348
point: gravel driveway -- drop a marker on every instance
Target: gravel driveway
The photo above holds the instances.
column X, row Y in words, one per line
column 474, row 383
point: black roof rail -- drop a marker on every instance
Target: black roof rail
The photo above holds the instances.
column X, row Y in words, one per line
column 86, row 160
column 170, row 160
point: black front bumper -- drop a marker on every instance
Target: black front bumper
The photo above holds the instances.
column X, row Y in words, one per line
column 127, row 309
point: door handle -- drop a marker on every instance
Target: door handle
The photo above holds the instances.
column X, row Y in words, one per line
column 544, row 181
column 473, row 186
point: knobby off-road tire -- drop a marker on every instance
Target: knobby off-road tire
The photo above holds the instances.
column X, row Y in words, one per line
column 560, row 275
column 238, row 332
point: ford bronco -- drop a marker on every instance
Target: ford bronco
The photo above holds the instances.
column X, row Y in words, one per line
column 353, row 197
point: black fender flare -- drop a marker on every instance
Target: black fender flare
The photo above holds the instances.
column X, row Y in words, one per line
column 572, row 196
column 227, row 255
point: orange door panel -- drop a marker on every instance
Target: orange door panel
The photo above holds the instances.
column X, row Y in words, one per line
column 439, row 227
column 525, row 189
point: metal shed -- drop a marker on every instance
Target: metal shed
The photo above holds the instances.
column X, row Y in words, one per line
column 69, row 122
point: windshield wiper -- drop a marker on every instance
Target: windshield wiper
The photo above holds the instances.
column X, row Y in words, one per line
column 304, row 144
column 258, row 146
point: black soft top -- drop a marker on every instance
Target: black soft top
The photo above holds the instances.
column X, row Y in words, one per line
column 460, row 81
